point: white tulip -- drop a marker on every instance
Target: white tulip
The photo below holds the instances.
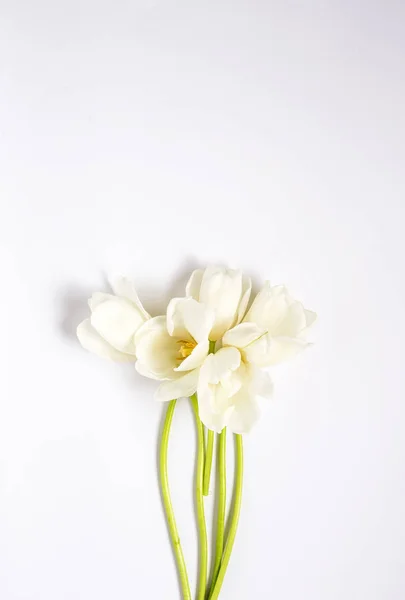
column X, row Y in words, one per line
column 225, row 291
column 173, row 348
column 273, row 329
column 115, row 318
column 228, row 390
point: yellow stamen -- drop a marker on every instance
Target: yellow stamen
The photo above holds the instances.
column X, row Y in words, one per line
column 185, row 349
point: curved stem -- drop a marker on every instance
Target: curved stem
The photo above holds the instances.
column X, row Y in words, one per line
column 208, row 462
column 221, row 506
column 210, row 444
column 202, row 529
column 167, row 503
column 234, row 517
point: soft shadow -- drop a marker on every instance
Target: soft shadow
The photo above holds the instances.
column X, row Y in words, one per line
column 73, row 299
column 182, row 275
column 73, row 308
column 156, row 296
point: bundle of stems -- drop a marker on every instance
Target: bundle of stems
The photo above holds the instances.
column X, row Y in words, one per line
column 207, row 589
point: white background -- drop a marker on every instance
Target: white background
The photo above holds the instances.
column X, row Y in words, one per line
column 267, row 135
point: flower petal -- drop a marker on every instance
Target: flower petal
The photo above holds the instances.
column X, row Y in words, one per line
column 124, row 287
column 284, row 348
column 175, row 319
column 92, row 341
column 275, row 310
column 216, row 366
column 244, row 414
column 268, row 350
column 156, row 350
column 188, row 319
column 221, row 290
column 232, row 381
column 117, row 321
column 293, row 323
column 211, row 413
column 184, row 386
column 242, row 335
column 196, row 357
column 261, row 383
column 269, row 307
column 214, row 404
column 194, row 284
column 310, row 317
column 227, row 405
column 145, row 371
column 97, row 298
column 246, row 291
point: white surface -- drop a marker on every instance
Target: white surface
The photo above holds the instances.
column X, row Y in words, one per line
column 267, row 135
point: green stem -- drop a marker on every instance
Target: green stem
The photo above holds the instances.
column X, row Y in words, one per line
column 208, row 462
column 210, row 444
column 234, row 517
column 202, row 529
column 221, row 506
column 167, row 503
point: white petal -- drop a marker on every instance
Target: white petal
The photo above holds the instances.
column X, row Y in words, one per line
column 284, row 348
column 156, row 350
column 242, row 335
column 257, row 352
column 246, row 291
column 269, row 307
column 145, row 371
column 184, row 386
column 194, row 284
column 213, row 420
column 293, row 323
column 196, row 358
column 97, row 298
column 261, row 383
column 117, row 321
column 221, row 290
column 245, row 413
column 124, row 287
column 233, row 380
column 217, row 365
column 267, row 351
column 213, row 405
column 188, row 319
column 310, row 317
column 92, row 341
column 175, row 319
column 274, row 309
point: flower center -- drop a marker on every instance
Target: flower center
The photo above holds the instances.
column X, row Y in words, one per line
column 185, row 349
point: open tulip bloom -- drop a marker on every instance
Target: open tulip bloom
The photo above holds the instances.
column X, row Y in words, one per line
column 215, row 349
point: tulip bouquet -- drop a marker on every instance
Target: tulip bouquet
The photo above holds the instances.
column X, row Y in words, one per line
column 214, row 349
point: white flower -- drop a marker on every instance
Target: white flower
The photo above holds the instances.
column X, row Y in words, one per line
column 231, row 380
column 273, row 330
column 228, row 390
column 114, row 320
column 225, row 291
column 173, row 348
